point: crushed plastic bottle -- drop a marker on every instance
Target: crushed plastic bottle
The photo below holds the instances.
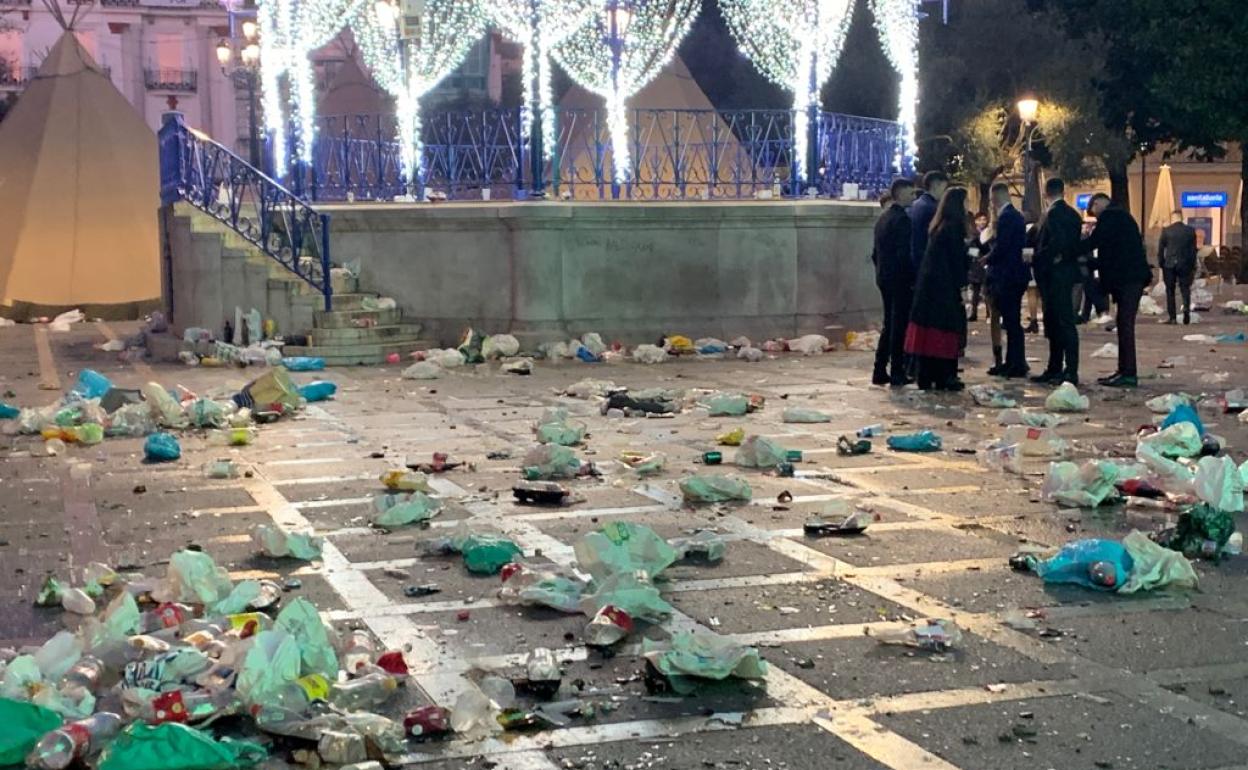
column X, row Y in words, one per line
column 224, row 468
column 365, row 693
column 871, row 431
column 74, row 741
column 931, row 635
column 75, row 600
column 543, row 675
column 608, row 626
column 188, row 706
column 358, row 651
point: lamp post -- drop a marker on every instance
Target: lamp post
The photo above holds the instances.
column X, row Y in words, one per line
column 1028, row 111
column 246, row 72
column 618, row 17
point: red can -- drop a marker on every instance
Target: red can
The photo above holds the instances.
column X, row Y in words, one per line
column 427, row 721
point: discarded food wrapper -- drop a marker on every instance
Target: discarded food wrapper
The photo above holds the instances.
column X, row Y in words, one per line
column 715, row 489
column 931, row 635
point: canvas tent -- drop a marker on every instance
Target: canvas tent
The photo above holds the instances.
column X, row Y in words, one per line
column 79, row 192
column 702, row 134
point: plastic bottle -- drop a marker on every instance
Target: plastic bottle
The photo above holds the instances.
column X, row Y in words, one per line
column 930, row 635
column 74, row 741
column 544, row 674
column 232, row 437
column 85, row 673
column 870, row 431
column 167, row 615
column 75, row 600
column 221, row 469
column 1002, row 457
column 358, row 652
column 364, row 693
column 186, row 706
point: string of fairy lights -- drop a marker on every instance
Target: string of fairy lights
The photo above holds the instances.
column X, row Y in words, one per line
column 611, row 47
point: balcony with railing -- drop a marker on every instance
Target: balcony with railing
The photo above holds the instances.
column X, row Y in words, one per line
column 15, row 73
column 181, row 81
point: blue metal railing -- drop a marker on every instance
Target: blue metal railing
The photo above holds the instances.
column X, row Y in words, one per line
column 214, row 180
column 675, row 155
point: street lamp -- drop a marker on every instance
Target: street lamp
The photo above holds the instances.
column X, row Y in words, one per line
column 246, row 72
column 617, row 17
column 1028, row 112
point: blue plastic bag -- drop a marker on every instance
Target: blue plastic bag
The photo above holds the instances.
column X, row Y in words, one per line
column 915, row 442
column 318, row 391
column 303, row 364
column 1238, row 338
column 1103, row 565
column 161, row 448
column 1184, row 413
column 92, row 384
column 587, row 355
column 8, row 411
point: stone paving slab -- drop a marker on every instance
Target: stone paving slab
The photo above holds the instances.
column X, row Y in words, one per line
column 749, row 609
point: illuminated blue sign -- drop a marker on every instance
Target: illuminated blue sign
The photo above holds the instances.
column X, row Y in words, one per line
column 1204, row 200
column 1082, row 200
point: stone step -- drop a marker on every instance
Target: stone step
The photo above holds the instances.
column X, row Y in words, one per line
column 348, row 301
column 345, row 319
column 368, row 336
column 358, row 355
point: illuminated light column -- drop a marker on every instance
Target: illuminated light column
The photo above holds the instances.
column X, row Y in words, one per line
column 409, row 57
column 539, row 25
column 795, row 44
column 618, row 52
column 897, row 22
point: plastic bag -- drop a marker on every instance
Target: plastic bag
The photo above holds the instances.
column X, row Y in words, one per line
column 593, row 343
column 173, row 746
column 796, row 414
column 301, row 620
column 811, row 344
column 303, row 364
column 727, row 404
column 1108, row 350
column 1165, row 404
column 703, row 656
column 1155, row 567
column 376, row 304
column 760, row 452
column 715, row 489
column 273, row 388
column 1036, row 442
column 470, row 346
column 644, row 464
column 195, row 578
column 1085, row 486
column 710, row 346
column 499, row 346
column 863, row 342
column 167, row 411
column 272, row 663
column 631, row 592
column 1179, row 440
column 400, row 510
column 1218, row 483
column 91, row 384
column 1104, row 565
column 750, row 355
column 1202, row 531
column 539, row 586
column 1066, row 398
column 24, row 724
column 623, row 547
column 161, row 448
column 993, row 397
column 63, row 321
column 551, row 461
column 554, row 428
column 1184, row 413
column 649, row 354
column 422, row 370
column 733, row 437
column 205, row 413
column 1001, row 456
column 447, row 359
column 319, row 390
column 486, row 554
column 590, row 388
column 298, row 545
column 924, row 441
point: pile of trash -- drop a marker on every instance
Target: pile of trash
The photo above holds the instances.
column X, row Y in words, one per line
column 170, row 672
column 94, row 408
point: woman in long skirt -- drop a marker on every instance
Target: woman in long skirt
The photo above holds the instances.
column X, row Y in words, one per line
column 938, row 317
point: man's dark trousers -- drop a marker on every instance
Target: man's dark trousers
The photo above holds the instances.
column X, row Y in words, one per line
column 1057, row 293
column 890, row 354
column 1127, row 300
column 1007, row 302
column 1183, row 279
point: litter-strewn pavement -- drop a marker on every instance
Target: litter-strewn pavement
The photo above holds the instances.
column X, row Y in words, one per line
column 781, row 598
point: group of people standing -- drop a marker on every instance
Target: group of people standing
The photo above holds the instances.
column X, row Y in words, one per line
column 926, row 247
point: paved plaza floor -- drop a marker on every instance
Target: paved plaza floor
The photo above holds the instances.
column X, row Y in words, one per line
column 1157, row 680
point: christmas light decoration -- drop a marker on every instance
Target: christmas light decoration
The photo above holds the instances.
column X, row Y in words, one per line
column 795, row 44
column 897, row 22
column 410, row 66
column 272, row 65
column 621, row 50
column 539, row 26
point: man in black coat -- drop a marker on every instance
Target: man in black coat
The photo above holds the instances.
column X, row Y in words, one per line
column 1007, row 281
column 894, row 275
column 1176, row 253
column 1124, row 272
column 1057, row 270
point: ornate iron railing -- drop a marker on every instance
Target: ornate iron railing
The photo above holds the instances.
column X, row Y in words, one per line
column 214, row 180
column 186, row 81
column 675, row 155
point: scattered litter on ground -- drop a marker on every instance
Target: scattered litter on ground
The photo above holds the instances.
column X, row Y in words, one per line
column 1066, row 398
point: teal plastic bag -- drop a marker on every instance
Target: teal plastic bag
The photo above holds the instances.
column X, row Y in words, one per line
column 272, row 663
column 631, row 592
column 194, row 577
column 161, row 448
column 1101, row 564
column 8, row 411
column 303, row 364
column 301, row 620
column 486, row 554
column 925, row 441
column 173, row 746
column 24, row 724
column 621, row 547
column 715, row 489
column 1184, row 413
column 760, row 452
column 91, row 384
column 320, row 390
column 728, row 405
column 400, row 510
column 694, row 656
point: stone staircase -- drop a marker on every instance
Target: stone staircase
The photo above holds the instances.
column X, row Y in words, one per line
column 348, row 335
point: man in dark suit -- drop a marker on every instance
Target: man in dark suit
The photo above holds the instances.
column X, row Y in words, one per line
column 1007, row 280
column 1057, row 268
column 894, row 275
column 1124, row 272
column 1176, row 253
column 924, row 211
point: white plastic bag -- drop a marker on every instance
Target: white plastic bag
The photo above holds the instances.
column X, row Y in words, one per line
column 1166, row 403
column 499, row 346
column 593, row 342
column 750, row 354
column 649, row 354
column 812, row 344
column 1179, row 440
column 1218, row 483
column 1085, row 486
column 1036, row 442
column 447, row 359
column 63, row 321
column 422, row 370
column 1149, row 306
column 1066, row 399
column 1108, row 350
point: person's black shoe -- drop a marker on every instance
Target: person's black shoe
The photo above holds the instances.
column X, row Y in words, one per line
column 1047, row 378
column 880, row 379
column 1187, row 319
column 952, row 386
column 1073, row 379
column 1015, row 372
column 1123, row 381
column 1171, row 321
column 973, row 318
column 899, row 384
column 1033, row 327
column 1107, row 380
column 997, row 371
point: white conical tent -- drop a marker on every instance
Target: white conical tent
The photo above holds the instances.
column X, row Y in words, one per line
column 79, row 192
column 1163, row 200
